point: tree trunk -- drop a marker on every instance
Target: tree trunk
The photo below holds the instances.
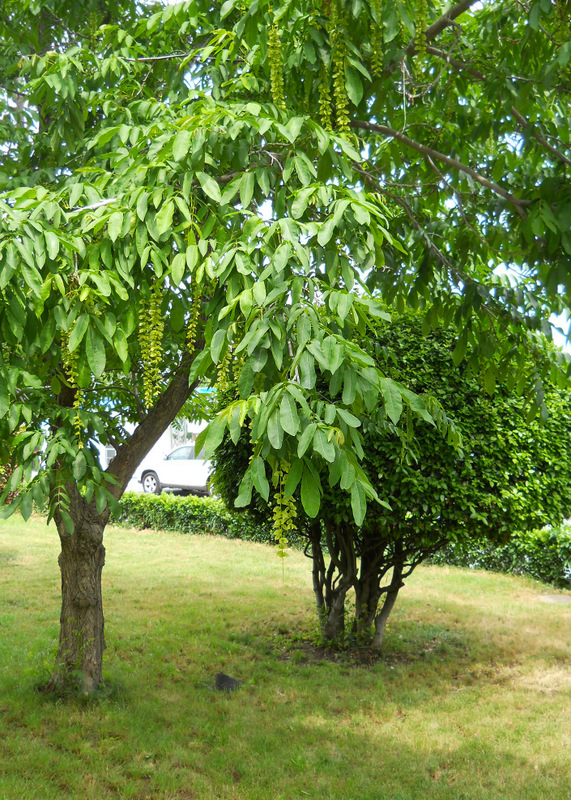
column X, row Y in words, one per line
column 382, row 618
column 79, row 661
column 367, row 594
column 339, row 578
column 318, row 569
column 334, row 623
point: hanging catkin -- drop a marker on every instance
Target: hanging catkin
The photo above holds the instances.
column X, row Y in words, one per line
column 338, row 60
column 275, row 57
column 151, row 326
column 377, row 39
column 420, row 34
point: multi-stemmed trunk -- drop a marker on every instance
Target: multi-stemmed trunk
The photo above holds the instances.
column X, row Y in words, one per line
column 333, row 579
column 332, row 582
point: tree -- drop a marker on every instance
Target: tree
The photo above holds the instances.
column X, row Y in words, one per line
column 510, row 475
column 180, row 204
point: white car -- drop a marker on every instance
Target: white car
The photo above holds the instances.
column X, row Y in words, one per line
column 179, row 470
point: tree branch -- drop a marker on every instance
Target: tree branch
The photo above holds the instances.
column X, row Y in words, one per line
column 451, row 162
column 521, row 120
column 152, row 59
column 148, row 432
column 539, row 138
column 442, row 22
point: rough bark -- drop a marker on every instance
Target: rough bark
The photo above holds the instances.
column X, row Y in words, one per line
column 81, row 642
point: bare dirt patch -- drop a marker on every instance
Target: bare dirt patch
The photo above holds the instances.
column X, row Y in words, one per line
column 556, row 599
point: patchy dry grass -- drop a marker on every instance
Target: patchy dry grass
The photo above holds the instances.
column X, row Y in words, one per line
column 469, row 701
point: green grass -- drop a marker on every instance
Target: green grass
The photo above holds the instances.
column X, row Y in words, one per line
column 469, row 701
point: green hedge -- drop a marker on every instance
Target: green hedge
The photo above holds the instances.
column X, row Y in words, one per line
column 191, row 514
column 544, row 555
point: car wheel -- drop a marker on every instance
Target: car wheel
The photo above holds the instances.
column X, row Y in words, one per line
column 151, row 483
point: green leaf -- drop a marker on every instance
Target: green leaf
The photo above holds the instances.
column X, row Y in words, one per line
column 289, row 417
column 142, row 204
column 227, row 7
column 178, row 268
column 275, row 431
column 348, row 418
column 4, row 397
column 322, row 446
column 52, row 244
column 306, row 438
column 121, row 345
column 95, row 352
column 259, row 292
column 245, row 492
column 392, row 398
column 26, row 506
column 181, row 145
column 211, row 437
column 78, row 332
column 358, row 503
column 209, row 186
column 307, row 376
column 115, row 225
column 217, row 344
column 490, row 380
column 293, row 477
column 79, row 466
column 246, row 379
column 246, row 302
column 460, row 349
column 305, row 170
column 258, row 470
column 163, row 220
column 310, row 494
column 326, row 231
column 354, row 85
column 301, row 202
column 247, row 189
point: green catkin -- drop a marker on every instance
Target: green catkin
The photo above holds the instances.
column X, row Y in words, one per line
column 325, row 99
column 151, row 326
column 492, row 143
column 563, row 14
column 285, row 512
column 192, row 329
column 93, row 26
column 420, row 35
column 377, row 39
column 71, row 371
column 223, row 373
column 338, row 59
column 275, row 57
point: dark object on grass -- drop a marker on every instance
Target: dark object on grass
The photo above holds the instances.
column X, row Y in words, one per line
column 224, row 683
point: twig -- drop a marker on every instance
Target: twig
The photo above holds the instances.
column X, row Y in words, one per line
column 451, row 162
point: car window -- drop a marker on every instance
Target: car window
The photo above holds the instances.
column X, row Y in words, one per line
column 181, row 454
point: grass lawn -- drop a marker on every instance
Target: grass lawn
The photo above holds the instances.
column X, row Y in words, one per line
column 471, row 699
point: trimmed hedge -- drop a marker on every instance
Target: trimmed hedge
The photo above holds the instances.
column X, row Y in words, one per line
column 544, row 555
column 192, row 514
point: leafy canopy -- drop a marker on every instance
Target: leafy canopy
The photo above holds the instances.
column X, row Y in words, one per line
column 208, row 188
